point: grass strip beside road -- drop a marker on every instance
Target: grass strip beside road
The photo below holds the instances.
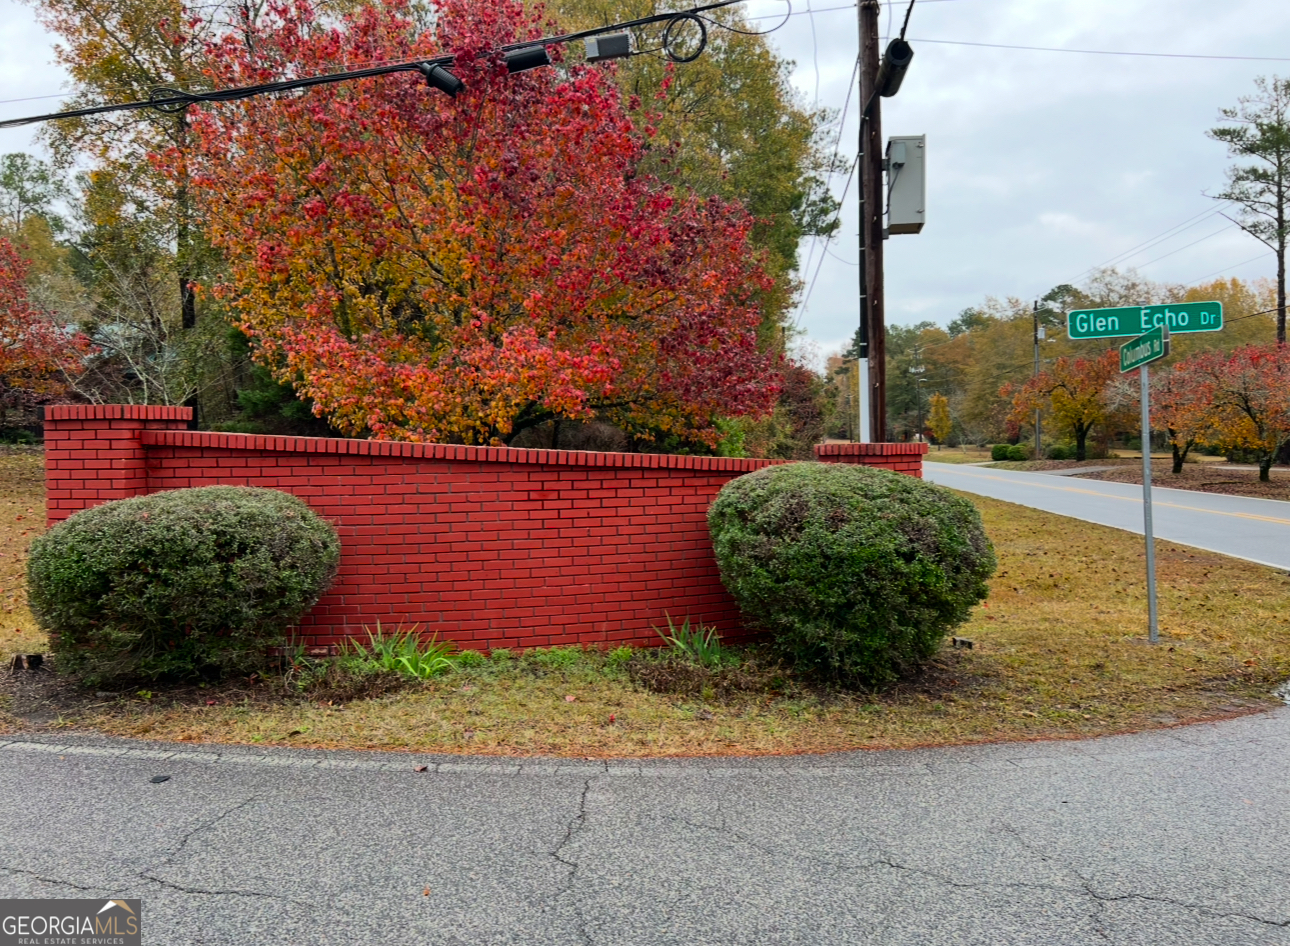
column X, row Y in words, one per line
column 22, row 518
column 1059, row 653
column 958, row 455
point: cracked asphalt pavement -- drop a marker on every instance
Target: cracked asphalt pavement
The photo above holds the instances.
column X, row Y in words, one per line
column 1172, row 837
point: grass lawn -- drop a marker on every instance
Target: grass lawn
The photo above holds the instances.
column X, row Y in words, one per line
column 22, row 517
column 1059, row 653
column 963, row 454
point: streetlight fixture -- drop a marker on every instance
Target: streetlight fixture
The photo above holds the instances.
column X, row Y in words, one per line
column 438, row 77
column 526, row 58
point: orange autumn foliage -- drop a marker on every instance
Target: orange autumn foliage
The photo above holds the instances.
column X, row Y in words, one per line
column 426, row 267
column 36, row 353
column 1248, row 393
column 1076, row 393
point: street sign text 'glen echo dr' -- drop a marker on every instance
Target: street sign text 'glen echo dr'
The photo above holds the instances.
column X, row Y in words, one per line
column 1134, row 320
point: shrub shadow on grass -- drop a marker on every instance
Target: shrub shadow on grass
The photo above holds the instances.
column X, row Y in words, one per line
column 667, row 672
column 757, row 674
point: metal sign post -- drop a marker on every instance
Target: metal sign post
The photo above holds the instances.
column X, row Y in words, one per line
column 1153, row 627
column 1139, row 353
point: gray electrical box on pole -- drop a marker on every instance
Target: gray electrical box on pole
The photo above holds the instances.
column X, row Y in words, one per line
column 906, row 184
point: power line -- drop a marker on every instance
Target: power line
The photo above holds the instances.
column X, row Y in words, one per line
column 1229, row 268
column 852, row 6
column 1193, row 243
column 837, row 144
column 1252, row 315
column 811, row 287
column 1100, row 52
column 904, row 26
column 815, row 57
column 1152, row 241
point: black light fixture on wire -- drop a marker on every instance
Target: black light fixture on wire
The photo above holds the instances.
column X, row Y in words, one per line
column 892, row 69
column 526, row 58
column 440, row 78
column 895, row 61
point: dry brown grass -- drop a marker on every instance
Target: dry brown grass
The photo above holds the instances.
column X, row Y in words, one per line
column 964, row 454
column 22, row 517
column 1059, row 653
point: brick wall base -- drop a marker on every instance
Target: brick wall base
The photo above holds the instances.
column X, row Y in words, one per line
column 486, row 546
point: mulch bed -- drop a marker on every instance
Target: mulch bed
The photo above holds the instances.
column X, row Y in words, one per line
column 1204, row 478
column 1039, row 466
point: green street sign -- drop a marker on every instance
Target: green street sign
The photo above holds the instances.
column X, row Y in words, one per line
column 1144, row 349
column 1131, row 320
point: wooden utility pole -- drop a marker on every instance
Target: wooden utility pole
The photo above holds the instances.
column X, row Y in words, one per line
column 873, row 330
column 1039, row 435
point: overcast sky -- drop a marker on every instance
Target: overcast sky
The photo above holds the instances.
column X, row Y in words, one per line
column 1040, row 164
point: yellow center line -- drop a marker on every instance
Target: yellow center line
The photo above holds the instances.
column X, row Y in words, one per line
column 1129, row 499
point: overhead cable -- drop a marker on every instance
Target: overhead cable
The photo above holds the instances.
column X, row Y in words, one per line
column 1099, row 52
column 1232, row 267
column 1173, row 231
column 1188, row 245
column 811, row 287
column 173, row 100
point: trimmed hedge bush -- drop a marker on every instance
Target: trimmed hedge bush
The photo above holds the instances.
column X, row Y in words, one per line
column 180, row 583
column 999, row 451
column 859, row 573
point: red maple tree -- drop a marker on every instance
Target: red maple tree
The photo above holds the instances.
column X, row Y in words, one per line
column 1248, row 394
column 1182, row 404
column 428, row 267
column 36, row 352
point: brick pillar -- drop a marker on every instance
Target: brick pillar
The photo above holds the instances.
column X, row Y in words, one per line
column 94, row 453
column 901, row 457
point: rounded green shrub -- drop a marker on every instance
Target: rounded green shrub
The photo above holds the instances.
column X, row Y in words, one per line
column 185, row 582
column 999, row 451
column 858, row 573
column 1019, row 452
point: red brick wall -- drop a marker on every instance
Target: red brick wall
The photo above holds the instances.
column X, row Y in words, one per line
column 901, row 457
column 93, row 452
column 486, row 546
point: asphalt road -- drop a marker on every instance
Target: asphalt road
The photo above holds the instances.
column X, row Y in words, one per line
column 1253, row 529
column 1175, row 837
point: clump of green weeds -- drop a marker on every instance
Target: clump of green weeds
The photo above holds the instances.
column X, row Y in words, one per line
column 698, row 644
column 402, row 652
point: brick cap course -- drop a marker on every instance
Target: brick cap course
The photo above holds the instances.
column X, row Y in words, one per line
column 870, row 449
column 116, row 412
column 441, row 451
